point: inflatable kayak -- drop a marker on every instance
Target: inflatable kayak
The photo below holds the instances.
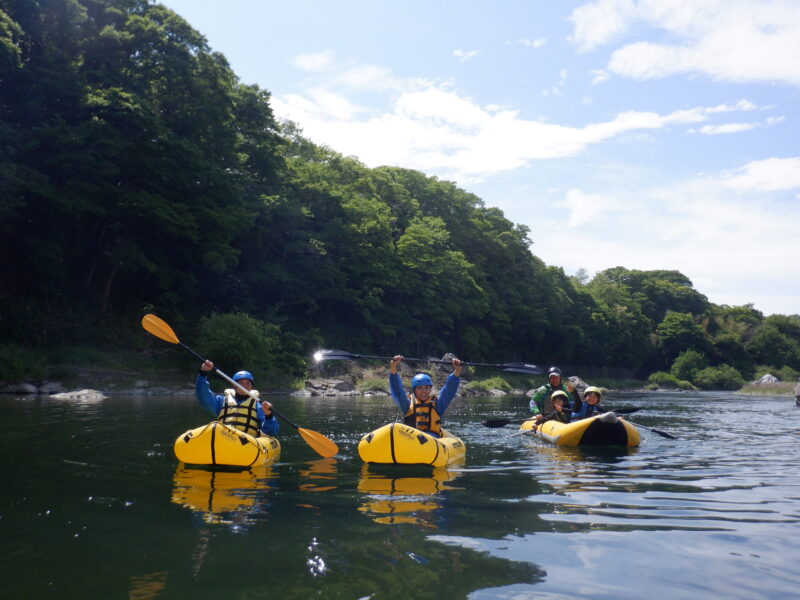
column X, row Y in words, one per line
column 220, row 444
column 399, row 444
column 603, row 430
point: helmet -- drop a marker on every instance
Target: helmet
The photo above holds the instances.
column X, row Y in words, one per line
column 243, row 375
column 594, row 389
column 560, row 394
column 421, row 379
column 553, row 371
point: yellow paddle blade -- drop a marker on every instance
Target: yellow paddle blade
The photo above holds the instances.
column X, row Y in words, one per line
column 321, row 445
column 159, row 328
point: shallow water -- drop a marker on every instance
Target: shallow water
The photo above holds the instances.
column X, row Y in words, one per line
column 93, row 504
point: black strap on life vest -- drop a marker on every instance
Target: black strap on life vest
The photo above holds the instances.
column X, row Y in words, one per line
column 423, row 415
column 243, row 417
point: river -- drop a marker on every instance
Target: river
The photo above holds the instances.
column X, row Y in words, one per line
column 93, row 504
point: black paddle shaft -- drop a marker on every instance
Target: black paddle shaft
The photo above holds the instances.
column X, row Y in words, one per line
column 224, row 376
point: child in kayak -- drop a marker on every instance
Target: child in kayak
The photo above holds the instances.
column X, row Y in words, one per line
column 421, row 408
column 561, row 411
column 239, row 410
column 591, row 404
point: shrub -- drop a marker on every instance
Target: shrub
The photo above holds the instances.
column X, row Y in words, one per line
column 484, row 385
column 21, row 365
column 723, row 377
column 238, row 341
column 373, row 384
column 786, row 373
column 688, row 363
column 663, row 379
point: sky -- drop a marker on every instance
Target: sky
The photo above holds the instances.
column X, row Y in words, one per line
column 651, row 134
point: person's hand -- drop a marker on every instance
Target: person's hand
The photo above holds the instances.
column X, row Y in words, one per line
column 394, row 362
column 538, row 419
column 569, row 385
column 207, row 366
column 267, row 408
column 456, row 367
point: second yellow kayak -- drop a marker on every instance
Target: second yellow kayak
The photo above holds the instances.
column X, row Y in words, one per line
column 603, row 430
column 399, row 444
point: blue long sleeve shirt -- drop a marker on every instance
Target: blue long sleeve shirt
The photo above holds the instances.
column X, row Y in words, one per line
column 443, row 400
column 213, row 403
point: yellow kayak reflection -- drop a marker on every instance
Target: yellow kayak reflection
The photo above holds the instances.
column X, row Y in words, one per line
column 221, row 496
column 404, row 496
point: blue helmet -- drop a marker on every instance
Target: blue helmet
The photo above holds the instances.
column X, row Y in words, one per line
column 421, row 379
column 243, row 375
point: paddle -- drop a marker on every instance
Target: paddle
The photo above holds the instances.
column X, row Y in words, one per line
column 504, row 422
column 513, row 367
column 321, row 445
column 663, row 434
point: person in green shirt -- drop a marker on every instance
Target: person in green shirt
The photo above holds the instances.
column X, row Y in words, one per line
column 541, row 402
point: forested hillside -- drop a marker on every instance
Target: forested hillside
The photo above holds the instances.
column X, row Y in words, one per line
column 138, row 174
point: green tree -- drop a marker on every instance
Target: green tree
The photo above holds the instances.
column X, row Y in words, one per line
column 687, row 364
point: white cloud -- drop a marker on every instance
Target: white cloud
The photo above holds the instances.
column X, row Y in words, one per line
column 734, row 247
column 768, row 175
column 465, row 55
column 729, row 40
column 586, row 208
column 600, row 76
column 727, row 128
column 600, row 22
column 316, row 61
column 438, row 131
column 537, row 43
column 558, row 87
column 369, row 77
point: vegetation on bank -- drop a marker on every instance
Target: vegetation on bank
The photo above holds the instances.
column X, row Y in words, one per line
column 140, row 175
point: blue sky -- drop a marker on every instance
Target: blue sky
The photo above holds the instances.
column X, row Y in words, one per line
column 650, row 135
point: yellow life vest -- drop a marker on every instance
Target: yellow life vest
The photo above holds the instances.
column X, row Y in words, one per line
column 243, row 416
column 423, row 415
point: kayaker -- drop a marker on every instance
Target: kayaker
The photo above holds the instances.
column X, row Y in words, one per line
column 421, row 408
column 591, row 404
column 235, row 408
column 541, row 401
column 561, row 411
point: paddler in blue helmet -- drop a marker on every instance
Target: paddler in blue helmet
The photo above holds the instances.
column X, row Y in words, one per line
column 422, row 408
column 235, row 408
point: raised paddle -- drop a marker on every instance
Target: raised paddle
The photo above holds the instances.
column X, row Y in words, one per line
column 321, row 445
column 514, row 367
column 504, row 422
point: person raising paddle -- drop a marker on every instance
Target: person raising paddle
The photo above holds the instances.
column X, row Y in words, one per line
column 541, row 402
column 235, row 408
column 421, row 408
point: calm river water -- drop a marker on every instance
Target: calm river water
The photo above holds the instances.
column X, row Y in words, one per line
column 93, row 504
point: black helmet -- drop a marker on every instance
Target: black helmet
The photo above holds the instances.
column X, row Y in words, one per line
column 553, row 371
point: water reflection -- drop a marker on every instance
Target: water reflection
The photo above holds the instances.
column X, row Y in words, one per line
column 404, row 495
column 222, row 496
column 318, row 475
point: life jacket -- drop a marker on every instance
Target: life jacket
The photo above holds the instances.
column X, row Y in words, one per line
column 243, row 416
column 423, row 415
column 593, row 411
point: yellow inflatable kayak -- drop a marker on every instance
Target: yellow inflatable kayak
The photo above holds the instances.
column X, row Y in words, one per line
column 220, row 444
column 603, row 430
column 399, row 444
